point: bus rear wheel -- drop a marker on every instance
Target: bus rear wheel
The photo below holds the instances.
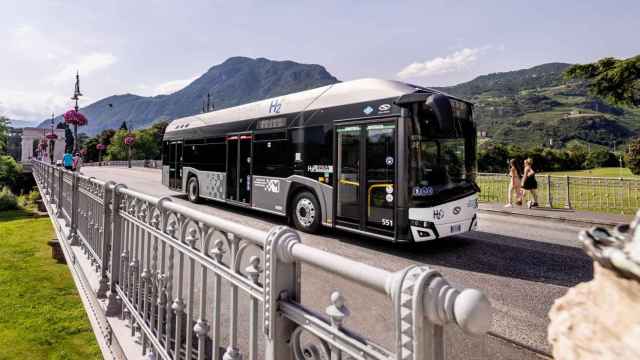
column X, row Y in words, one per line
column 305, row 212
column 193, row 189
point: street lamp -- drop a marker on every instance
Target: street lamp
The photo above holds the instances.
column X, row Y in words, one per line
column 52, row 136
column 100, row 147
column 129, row 140
column 74, row 116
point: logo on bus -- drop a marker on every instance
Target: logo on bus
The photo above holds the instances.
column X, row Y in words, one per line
column 272, row 186
column 456, row 210
column 438, row 214
column 275, row 106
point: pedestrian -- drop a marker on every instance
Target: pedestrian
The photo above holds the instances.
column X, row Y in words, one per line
column 77, row 162
column 67, row 161
column 514, row 185
column 529, row 183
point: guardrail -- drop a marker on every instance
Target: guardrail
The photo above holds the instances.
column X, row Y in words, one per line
column 156, row 164
column 175, row 275
column 620, row 195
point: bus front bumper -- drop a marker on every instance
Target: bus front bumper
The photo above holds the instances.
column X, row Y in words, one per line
column 444, row 220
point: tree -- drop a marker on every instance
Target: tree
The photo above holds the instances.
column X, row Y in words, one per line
column 600, row 158
column 4, row 134
column 493, row 158
column 9, row 172
column 117, row 150
column 124, row 126
column 613, row 79
column 632, row 157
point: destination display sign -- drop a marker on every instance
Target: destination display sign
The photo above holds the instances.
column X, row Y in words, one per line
column 271, row 123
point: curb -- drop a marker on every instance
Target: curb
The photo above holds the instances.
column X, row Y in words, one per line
column 563, row 219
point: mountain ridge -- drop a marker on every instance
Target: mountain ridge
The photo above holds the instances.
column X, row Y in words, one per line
column 235, row 81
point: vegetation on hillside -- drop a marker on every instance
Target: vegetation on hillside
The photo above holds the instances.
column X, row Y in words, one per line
column 540, row 107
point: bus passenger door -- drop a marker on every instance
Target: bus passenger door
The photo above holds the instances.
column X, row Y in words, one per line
column 365, row 179
column 239, row 168
column 175, row 165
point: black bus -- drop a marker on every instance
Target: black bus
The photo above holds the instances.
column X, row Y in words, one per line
column 383, row 158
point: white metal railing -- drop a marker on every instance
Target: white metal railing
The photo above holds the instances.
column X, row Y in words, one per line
column 178, row 277
column 156, row 164
column 621, row 195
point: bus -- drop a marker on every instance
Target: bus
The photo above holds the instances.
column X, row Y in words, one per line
column 383, row 158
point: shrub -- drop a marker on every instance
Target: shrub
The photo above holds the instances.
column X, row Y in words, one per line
column 33, row 196
column 8, row 201
column 9, row 171
column 600, row 158
column 632, row 157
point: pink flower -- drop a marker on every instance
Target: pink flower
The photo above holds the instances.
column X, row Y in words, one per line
column 75, row 117
column 129, row 139
column 51, row 136
column 101, row 146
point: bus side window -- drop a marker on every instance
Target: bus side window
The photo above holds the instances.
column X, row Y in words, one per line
column 271, row 158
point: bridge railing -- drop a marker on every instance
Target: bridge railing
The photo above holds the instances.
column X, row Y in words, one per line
column 155, row 164
column 177, row 276
column 620, row 195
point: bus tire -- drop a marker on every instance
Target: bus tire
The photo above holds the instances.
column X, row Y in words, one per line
column 305, row 211
column 193, row 189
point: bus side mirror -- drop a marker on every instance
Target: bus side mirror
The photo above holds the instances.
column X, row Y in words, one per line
column 441, row 107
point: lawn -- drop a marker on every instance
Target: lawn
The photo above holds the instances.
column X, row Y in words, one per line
column 598, row 172
column 42, row 315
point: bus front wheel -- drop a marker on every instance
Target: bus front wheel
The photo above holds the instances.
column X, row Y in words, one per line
column 193, row 189
column 305, row 211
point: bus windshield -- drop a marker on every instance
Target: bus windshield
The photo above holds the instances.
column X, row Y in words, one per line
column 441, row 165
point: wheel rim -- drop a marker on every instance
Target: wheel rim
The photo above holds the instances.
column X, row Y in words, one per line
column 305, row 212
column 192, row 190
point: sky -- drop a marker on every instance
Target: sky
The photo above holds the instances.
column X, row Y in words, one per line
column 151, row 47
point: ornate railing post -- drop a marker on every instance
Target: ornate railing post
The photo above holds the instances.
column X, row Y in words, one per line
column 423, row 303
column 114, row 307
column 73, row 230
column 106, row 239
column 59, row 196
column 280, row 282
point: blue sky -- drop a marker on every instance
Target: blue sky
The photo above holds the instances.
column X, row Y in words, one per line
column 157, row 46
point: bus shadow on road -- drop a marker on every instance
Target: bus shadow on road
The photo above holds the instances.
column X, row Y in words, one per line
column 492, row 254
column 477, row 251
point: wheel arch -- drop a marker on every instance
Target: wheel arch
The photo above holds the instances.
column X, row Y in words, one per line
column 296, row 188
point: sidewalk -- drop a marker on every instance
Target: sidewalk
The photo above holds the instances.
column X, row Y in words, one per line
column 582, row 218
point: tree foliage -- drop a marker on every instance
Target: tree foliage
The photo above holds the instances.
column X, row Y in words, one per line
column 4, row 134
column 68, row 139
column 9, row 171
column 632, row 157
column 614, row 79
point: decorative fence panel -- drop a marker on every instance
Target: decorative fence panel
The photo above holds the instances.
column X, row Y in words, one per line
column 177, row 276
column 619, row 195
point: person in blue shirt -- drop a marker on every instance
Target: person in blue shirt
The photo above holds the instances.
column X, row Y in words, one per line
column 67, row 161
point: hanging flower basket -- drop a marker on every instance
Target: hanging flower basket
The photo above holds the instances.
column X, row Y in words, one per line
column 129, row 139
column 75, row 118
column 101, row 146
column 51, row 136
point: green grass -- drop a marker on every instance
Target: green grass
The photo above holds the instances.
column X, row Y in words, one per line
column 41, row 315
column 613, row 172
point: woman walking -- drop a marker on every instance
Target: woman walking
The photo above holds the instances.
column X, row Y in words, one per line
column 514, row 185
column 529, row 183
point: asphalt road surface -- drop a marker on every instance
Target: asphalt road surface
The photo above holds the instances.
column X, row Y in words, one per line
column 521, row 264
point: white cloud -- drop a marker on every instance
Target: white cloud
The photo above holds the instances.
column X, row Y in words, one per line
column 31, row 106
column 86, row 64
column 172, row 86
column 442, row 65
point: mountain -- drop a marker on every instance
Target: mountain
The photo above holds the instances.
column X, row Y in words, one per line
column 537, row 105
column 21, row 123
column 236, row 81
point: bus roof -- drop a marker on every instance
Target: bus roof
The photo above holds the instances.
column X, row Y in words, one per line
column 344, row 93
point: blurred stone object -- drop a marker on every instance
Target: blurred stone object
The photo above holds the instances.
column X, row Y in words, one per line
column 600, row 319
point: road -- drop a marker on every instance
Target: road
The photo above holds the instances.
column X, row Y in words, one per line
column 521, row 264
